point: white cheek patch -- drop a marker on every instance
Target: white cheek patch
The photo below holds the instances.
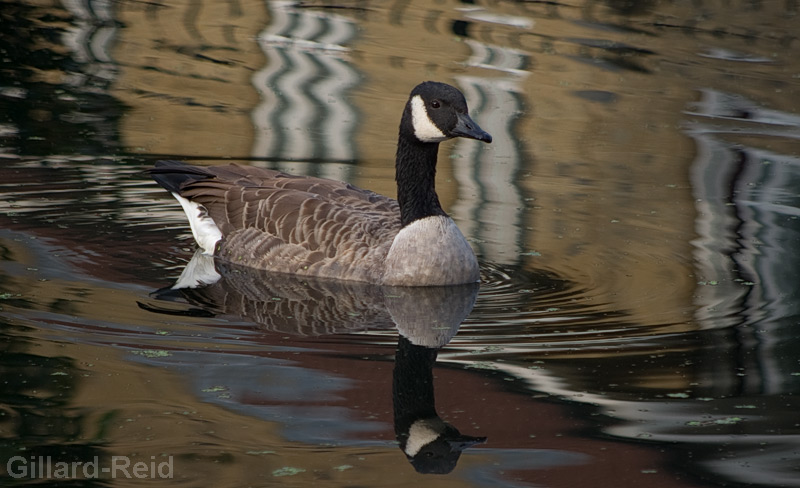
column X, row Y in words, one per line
column 424, row 128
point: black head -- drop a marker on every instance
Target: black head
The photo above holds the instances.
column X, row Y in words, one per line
column 436, row 112
column 440, row 456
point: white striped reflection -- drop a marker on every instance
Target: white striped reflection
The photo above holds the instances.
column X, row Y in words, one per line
column 490, row 205
column 304, row 113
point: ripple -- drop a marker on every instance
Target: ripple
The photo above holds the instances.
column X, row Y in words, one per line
column 520, row 311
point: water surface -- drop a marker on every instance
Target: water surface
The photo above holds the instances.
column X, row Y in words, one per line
column 636, row 221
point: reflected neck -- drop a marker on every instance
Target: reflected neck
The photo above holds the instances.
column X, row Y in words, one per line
column 412, row 385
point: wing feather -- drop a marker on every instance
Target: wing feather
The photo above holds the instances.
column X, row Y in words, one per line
column 297, row 224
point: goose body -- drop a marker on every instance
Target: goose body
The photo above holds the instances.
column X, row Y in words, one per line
column 318, row 227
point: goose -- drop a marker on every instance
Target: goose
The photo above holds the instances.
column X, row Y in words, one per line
column 318, row 227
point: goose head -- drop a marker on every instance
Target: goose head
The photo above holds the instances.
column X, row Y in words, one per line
column 436, row 112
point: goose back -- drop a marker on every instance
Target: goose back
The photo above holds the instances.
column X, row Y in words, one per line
column 291, row 224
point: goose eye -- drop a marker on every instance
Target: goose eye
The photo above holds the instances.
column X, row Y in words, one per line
column 436, row 104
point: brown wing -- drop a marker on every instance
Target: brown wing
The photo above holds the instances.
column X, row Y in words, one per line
column 297, row 224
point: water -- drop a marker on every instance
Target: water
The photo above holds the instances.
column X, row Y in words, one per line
column 636, row 220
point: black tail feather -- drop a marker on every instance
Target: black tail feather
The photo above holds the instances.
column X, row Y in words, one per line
column 174, row 175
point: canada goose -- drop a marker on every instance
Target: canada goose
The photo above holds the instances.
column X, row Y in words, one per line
column 317, row 227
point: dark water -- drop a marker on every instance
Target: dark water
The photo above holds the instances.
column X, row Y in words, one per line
column 637, row 220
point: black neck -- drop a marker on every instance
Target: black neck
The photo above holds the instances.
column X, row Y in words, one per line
column 415, row 172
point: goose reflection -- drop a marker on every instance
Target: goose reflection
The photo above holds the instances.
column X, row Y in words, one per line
column 431, row 444
column 427, row 318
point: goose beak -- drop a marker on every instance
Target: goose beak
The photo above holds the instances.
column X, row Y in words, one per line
column 466, row 127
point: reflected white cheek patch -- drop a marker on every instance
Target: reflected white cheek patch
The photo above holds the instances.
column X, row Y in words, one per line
column 424, row 128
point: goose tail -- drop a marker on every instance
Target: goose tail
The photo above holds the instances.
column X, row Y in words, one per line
column 174, row 176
